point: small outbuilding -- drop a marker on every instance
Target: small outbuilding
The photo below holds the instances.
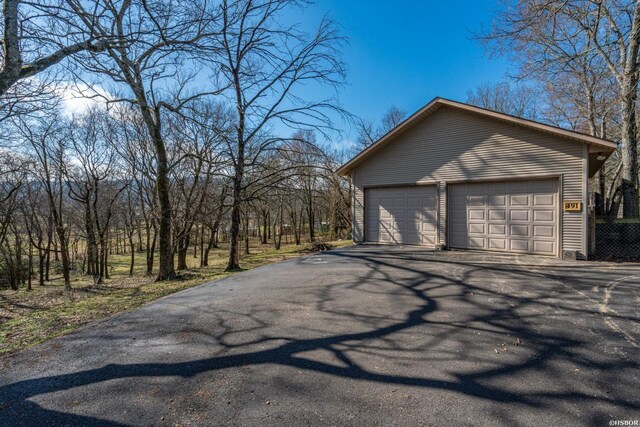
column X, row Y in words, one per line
column 458, row 176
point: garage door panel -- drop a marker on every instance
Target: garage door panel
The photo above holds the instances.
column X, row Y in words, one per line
column 498, row 229
column 519, row 200
column 545, row 186
column 385, row 236
column 428, row 239
column 519, row 230
column 476, row 201
column 517, row 245
column 476, row 242
column 478, row 228
column 497, row 244
column 506, row 216
column 428, row 227
column 543, row 215
column 401, row 215
column 543, row 247
column 430, row 216
column 497, row 215
column 497, row 200
column 416, row 216
column 475, row 214
column 519, row 215
column 543, row 200
column 543, row 231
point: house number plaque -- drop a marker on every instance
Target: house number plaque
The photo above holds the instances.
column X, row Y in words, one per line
column 572, row 206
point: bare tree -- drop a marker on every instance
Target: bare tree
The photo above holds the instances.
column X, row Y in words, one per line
column 369, row 132
column 265, row 62
column 573, row 35
column 12, row 178
column 94, row 181
column 136, row 157
column 517, row 100
column 195, row 140
column 153, row 41
column 35, row 37
column 46, row 136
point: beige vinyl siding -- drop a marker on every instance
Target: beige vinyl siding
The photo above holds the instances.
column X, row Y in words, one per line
column 452, row 145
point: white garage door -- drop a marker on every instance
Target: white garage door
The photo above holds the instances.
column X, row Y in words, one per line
column 401, row 215
column 505, row 216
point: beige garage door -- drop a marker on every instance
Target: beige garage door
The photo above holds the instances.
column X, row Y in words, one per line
column 401, row 215
column 505, row 216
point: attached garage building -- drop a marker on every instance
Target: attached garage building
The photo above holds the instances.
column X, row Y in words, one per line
column 458, row 176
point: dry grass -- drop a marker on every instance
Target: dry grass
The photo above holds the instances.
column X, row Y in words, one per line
column 29, row 318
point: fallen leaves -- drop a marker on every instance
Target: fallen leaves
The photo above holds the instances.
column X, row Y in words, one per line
column 504, row 348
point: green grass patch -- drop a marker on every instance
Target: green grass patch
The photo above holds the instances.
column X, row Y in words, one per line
column 30, row 318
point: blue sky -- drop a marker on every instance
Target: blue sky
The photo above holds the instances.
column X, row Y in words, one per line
column 404, row 53
column 401, row 53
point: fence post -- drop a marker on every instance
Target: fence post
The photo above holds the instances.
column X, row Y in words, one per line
column 592, row 232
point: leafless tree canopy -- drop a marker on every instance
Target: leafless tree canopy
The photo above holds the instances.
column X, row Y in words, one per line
column 521, row 101
column 369, row 132
column 581, row 56
column 198, row 135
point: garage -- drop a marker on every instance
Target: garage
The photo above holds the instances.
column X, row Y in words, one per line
column 402, row 215
column 454, row 175
column 517, row 216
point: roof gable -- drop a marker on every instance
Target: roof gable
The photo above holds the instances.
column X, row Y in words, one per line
column 606, row 146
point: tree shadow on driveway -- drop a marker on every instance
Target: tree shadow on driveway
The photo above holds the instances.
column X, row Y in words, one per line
column 484, row 331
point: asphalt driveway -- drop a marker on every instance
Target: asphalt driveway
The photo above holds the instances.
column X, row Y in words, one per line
column 359, row 336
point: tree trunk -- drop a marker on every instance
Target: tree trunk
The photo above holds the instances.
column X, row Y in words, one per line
column 64, row 254
column 246, row 233
column 133, row 254
column 234, row 261
column 277, row 237
column 628, row 94
column 48, row 264
column 265, row 226
column 202, row 233
column 166, row 269
column 18, row 265
column 139, row 238
column 311, row 218
column 107, row 251
column 629, row 153
column 100, row 268
column 196, row 242
column 183, row 248
column 42, row 255
column 210, row 245
column 92, row 245
column 151, row 250
column 268, row 222
column 30, row 270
